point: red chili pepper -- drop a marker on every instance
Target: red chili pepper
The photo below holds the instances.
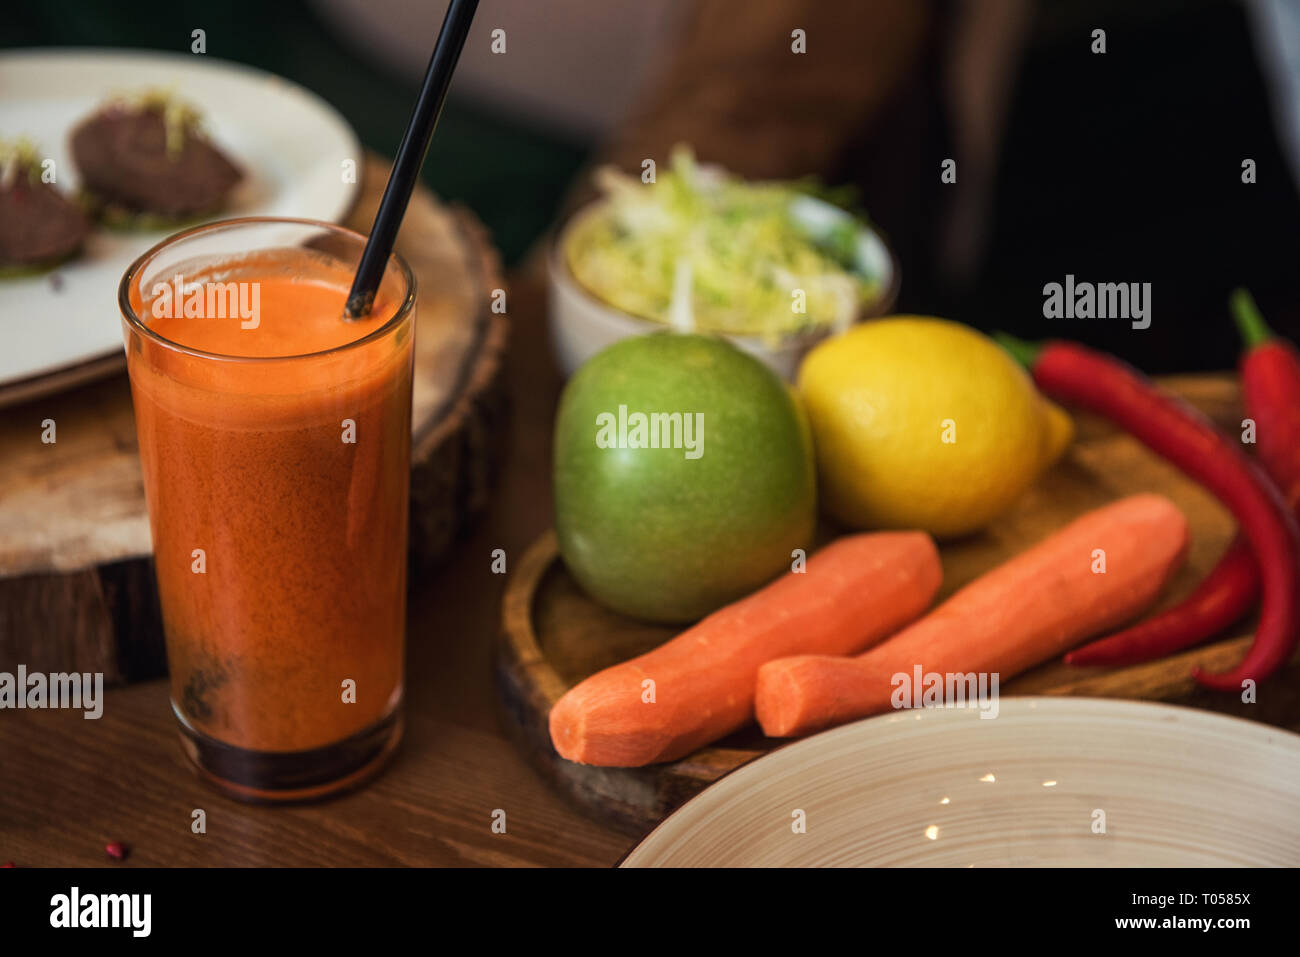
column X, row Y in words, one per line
column 1270, row 374
column 1270, row 381
column 1174, row 430
column 117, row 850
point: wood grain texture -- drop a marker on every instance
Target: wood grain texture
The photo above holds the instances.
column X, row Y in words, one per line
column 554, row 635
column 76, row 581
column 434, row 804
column 68, row 786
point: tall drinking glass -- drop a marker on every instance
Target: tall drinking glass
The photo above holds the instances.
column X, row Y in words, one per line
column 275, row 441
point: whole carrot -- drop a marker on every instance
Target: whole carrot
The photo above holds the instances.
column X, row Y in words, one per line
column 1177, row 432
column 1270, row 375
column 1027, row 610
column 699, row 686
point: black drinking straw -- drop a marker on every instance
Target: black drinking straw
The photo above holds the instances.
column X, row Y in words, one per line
column 410, row 157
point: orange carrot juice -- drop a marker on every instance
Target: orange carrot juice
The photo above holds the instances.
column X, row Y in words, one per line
column 275, row 443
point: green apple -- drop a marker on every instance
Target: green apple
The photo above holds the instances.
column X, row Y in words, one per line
column 683, row 476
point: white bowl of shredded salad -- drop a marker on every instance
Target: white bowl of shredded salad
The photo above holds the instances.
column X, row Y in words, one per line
column 768, row 265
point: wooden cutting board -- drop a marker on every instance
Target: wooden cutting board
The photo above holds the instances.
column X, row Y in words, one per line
column 76, row 582
column 554, row 635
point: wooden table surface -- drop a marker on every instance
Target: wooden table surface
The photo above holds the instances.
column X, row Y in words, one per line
column 68, row 785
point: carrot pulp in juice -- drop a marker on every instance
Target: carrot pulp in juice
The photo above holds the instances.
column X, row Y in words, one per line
column 278, row 491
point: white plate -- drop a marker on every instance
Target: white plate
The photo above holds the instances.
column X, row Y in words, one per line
column 946, row 788
column 290, row 143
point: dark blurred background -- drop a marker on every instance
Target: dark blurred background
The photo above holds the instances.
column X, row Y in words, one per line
column 1118, row 167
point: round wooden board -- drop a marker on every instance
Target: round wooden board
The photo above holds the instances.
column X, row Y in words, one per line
column 76, row 584
column 554, row 635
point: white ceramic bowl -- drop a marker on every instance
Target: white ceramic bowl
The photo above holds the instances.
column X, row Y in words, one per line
column 582, row 324
column 1031, row 787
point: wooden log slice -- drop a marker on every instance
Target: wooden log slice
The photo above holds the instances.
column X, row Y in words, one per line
column 77, row 588
column 554, row 635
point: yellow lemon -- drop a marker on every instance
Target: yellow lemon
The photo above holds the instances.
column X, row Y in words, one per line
column 925, row 423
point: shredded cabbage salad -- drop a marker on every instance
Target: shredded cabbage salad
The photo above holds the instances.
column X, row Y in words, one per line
column 703, row 250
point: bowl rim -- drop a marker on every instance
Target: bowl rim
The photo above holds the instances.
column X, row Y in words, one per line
column 1018, row 703
column 559, row 271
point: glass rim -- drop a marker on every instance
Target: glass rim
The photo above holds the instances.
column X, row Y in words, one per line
column 136, row 324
